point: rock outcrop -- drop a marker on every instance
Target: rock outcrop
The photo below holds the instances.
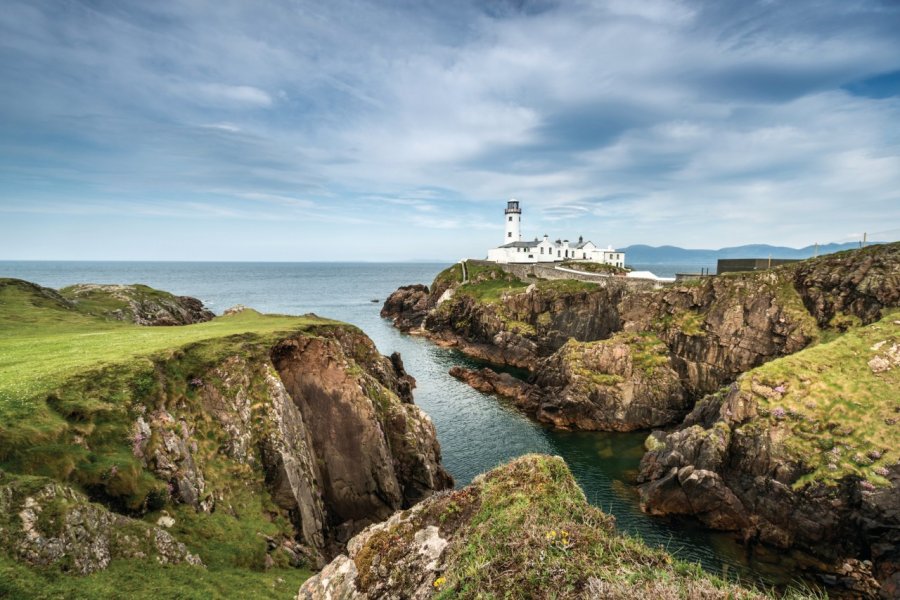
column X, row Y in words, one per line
column 522, row 327
column 622, row 383
column 138, row 304
column 800, row 454
column 713, row 330
column 329, row 422
column 44, row 523
column 266, row 447
column 501, row 384
column 523, row 530
column 407, row 307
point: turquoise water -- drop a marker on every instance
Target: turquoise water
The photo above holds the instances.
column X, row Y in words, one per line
column 477, row 432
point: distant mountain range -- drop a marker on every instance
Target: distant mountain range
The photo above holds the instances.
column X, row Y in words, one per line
column 642, row 254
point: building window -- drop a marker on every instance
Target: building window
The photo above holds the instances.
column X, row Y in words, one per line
column 542, row 250
column 510, row 219
column 509, row 234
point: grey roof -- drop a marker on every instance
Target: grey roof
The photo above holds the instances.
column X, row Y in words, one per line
column 521, row 244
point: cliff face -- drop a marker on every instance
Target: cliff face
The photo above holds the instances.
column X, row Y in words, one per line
column 266, row 444
column 720, row 327
column 516, row 328
column 800, row 453
column 523, row 530
column 622, row 383
column 712, row 330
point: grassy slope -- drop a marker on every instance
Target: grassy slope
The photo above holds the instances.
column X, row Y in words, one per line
column 525, row 530
column 42, row 344
column 65, row 373
column 829, row 409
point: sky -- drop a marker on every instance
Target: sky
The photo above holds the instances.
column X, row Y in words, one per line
column 353, row 130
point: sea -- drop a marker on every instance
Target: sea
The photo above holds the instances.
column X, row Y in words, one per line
column 476, row 431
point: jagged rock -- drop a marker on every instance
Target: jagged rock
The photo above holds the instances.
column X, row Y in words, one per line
column 374, row 453
column 624, row 383
column 165, row 445
column 46, row 523
column 526, row 326
column 733, row 474
column 502, row 384
column 521, row 523
column 138, row 304
column 859, row 283
column 407, row 307
column 713, row 330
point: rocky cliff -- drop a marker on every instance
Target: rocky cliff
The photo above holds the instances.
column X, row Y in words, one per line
column 138, row 304
column 523, row 530
column 712, row 330
column 801, row 453
column 244, row 444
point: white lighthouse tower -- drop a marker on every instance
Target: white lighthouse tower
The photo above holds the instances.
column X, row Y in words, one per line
column 513, row 222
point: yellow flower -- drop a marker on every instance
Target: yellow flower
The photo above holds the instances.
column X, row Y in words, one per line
column 551, row 534
column 439, row 582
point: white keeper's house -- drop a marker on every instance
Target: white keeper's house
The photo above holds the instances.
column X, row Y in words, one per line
column 514, row 250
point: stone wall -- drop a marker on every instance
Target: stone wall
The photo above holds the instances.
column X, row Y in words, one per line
column 549, row 271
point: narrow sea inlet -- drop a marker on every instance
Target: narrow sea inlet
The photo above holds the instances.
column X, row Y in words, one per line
column 477, row 432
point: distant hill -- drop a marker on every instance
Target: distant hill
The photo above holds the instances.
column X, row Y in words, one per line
column 642, row 254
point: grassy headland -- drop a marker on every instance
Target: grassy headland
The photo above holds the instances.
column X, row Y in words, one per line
column 71, row 381
column 834, row 406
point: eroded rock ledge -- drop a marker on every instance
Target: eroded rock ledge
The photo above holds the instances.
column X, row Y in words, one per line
column 801, row 453
column 711, row 331
column 521, row 530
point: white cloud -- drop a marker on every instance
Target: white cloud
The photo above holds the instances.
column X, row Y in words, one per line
column 231, row 95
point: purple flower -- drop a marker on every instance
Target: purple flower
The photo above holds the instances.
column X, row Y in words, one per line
column 779, row 389
column 195, row 382
column 778, row 412
column 867, row 486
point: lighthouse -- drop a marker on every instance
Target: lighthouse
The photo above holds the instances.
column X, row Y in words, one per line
column 513, row 222
column 514, row 250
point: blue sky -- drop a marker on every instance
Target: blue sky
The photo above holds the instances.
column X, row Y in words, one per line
column 294, row 130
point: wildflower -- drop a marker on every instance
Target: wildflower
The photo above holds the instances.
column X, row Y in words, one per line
column 550, row 535
column 882, row 471
column 779, row 389
column 778, row 412
column 867, row 486
column 439, row 582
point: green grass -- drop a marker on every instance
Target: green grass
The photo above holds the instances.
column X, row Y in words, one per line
column 565, row 286
column 42, row 343
column 71, row 386
column 829, row 410
column 137, row 579
column 688, row 322
column 451, row 275
column 593, row 267
column 532, row 534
